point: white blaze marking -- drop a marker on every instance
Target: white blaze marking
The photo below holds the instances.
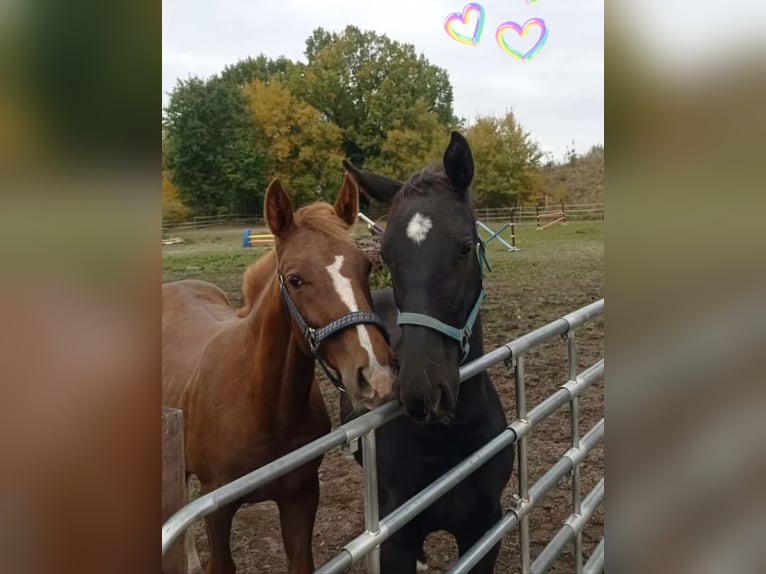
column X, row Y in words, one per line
column 418, row 228
column 343, row 287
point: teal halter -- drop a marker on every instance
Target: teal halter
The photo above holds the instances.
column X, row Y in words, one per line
column 463, row 335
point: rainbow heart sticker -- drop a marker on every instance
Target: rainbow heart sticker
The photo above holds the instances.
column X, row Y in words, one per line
column 470, row 9
column 522, row 31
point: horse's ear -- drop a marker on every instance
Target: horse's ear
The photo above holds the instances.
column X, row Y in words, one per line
column 458, row 162
column 278, row 209
column 347, row 204
column 377, row 187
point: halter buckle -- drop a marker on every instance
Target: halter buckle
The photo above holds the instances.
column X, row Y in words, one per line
column 465, row 342
column 312, row 340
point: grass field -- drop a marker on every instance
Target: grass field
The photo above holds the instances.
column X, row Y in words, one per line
column 217, row 254
column 556, row 271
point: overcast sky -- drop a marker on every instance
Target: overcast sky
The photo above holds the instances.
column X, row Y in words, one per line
column 558, row 95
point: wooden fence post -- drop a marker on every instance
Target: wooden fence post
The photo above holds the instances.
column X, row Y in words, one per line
column 174, row 494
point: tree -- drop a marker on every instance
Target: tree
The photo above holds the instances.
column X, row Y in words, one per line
column 414, row 142
column 261, row 68
column 507, row 162
column 571, row 153
column 212, row 149
column 172, row 207
column 304, row 148
column 367, row 85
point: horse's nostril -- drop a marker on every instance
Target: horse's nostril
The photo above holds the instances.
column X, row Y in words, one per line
column 436, row 397
column 419, row 409
column 417, row 412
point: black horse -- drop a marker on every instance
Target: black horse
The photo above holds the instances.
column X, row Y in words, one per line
column 435, row 256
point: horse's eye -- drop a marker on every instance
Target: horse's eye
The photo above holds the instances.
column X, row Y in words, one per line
column 466, row 249
column 295, row 281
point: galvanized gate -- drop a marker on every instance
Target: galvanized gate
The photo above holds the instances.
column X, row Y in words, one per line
column 366, row 545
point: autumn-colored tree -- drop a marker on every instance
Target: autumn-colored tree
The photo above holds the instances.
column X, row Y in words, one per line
column 507, row 162
column 304, row 148
column 173, row 208
column 415, row 141
column 533, row 184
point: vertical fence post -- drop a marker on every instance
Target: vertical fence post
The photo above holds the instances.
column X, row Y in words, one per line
column 173, row 485
column 521, row 413
column 513, row 231
column 574, row 407
column 371, row 510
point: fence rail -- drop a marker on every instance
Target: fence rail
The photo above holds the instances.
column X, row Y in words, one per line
column 378, row 530
column 519, row 214
column 204, row 221
column 524, row 214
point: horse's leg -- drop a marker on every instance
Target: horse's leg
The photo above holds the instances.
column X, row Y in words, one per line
column 399, row 554
column 219, row 535
column 296, row 516
column 468, row 535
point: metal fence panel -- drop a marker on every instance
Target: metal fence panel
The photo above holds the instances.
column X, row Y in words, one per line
column 365, row 546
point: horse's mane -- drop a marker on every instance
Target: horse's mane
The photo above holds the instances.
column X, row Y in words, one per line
column 257, row 276
column 319, row 217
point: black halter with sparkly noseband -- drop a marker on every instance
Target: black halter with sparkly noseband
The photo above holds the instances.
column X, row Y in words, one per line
column 316, row 336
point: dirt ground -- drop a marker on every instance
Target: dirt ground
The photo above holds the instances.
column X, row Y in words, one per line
column 556, row 271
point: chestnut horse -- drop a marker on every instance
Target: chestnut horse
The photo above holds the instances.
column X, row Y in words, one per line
column 245, row 380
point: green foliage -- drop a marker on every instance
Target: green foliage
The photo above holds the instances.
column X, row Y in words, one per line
column 359, row 95
column 571, row 153
column 418, row 140
column 507, row 162
column 261, row 68
column 368, row 84
column 380, row 279
column 211, row 147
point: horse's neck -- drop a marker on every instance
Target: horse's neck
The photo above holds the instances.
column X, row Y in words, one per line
column 283, row 371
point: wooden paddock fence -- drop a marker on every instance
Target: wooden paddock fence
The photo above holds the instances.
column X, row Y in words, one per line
column 174, row 495
column 583, row 211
